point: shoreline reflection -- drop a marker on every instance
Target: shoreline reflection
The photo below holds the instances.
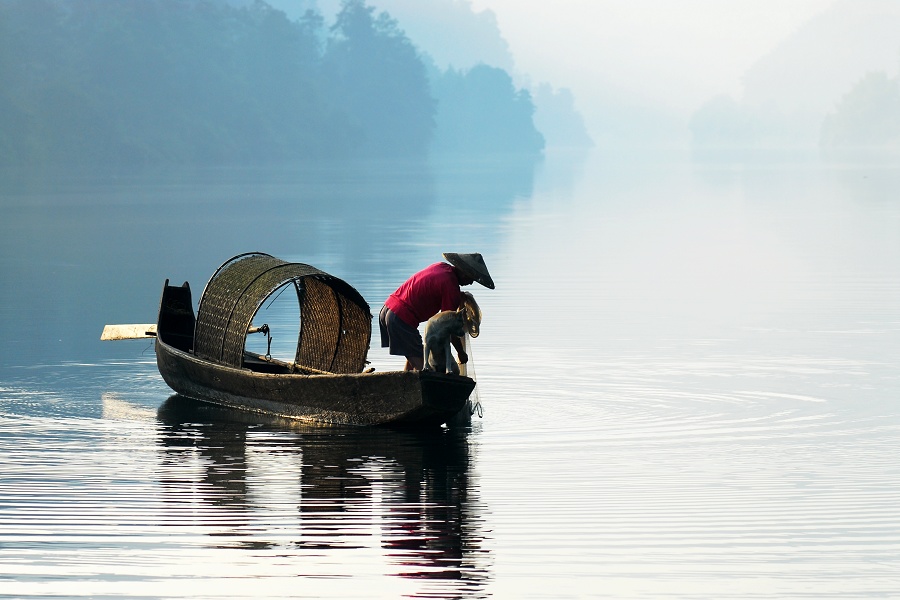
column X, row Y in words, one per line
column 259, row 482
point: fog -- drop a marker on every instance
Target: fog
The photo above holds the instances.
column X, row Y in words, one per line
column 798, row 58
column 644, row 68
column 672, row 53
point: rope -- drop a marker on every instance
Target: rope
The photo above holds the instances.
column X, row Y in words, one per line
column 477, row 407
column 275, row 297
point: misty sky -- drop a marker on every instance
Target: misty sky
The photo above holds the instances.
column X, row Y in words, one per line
column 678, row 51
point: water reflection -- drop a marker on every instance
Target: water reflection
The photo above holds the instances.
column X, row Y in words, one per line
column 254, row 482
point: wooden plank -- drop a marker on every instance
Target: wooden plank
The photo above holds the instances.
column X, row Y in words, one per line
column 128, row 332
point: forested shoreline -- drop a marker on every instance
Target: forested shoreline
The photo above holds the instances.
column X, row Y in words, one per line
column 203, row 82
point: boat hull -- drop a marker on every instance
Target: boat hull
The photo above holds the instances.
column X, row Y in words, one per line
column 401, row 398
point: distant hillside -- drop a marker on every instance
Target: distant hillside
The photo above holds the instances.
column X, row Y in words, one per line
column 456, row 36
column 867, row 117
column 233, row 81
column 816, row 66
column 452, row 36
column 789, row 92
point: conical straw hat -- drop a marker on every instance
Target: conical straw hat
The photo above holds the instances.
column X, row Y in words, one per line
column 473, row 265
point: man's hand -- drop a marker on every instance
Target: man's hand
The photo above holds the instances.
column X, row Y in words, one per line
column 463, row 357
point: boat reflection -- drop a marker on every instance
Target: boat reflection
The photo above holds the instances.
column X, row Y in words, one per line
column 252, row 481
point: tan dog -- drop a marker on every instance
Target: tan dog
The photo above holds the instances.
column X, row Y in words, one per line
column 438, row 331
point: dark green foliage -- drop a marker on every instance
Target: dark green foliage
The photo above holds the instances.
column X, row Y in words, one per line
column 205, row 82
column 481, row 111
column 160, row 81
column 378, row 80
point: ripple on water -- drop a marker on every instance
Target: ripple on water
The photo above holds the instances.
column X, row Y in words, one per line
column 197, row 501
column 646, row 472
column 730, row 476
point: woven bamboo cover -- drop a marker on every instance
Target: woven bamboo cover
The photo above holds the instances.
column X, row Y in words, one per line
column 336, row 325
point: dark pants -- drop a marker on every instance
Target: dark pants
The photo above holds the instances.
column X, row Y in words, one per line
column 397, row 336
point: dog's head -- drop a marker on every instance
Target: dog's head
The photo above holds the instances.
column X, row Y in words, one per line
column 458, row 325
column 471, row 314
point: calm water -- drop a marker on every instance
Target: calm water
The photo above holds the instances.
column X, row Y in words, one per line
column 690, row 377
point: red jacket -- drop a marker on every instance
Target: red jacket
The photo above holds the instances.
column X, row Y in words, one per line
column 426, row 293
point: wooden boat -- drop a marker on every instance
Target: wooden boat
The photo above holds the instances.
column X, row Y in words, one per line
column 204, row 356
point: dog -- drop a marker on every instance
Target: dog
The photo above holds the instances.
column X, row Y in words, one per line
column 438, row 331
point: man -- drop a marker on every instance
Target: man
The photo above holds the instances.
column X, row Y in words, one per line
column 426, row 293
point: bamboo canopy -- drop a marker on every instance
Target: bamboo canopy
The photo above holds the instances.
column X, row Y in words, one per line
column 335, row 321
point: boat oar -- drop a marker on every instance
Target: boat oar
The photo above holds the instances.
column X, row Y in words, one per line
column 128, row 332
column 148, row 330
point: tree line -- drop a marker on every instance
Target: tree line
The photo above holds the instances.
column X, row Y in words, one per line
column 205, row 82
column 867, row 116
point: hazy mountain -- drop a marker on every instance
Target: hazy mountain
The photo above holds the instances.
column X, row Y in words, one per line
column 456, row 36
column 452, row 35
column 817, row 65
column 213, row 82
column 790, row 91
column 558, row 119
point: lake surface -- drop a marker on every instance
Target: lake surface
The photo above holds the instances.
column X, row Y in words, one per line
column 689, row 374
